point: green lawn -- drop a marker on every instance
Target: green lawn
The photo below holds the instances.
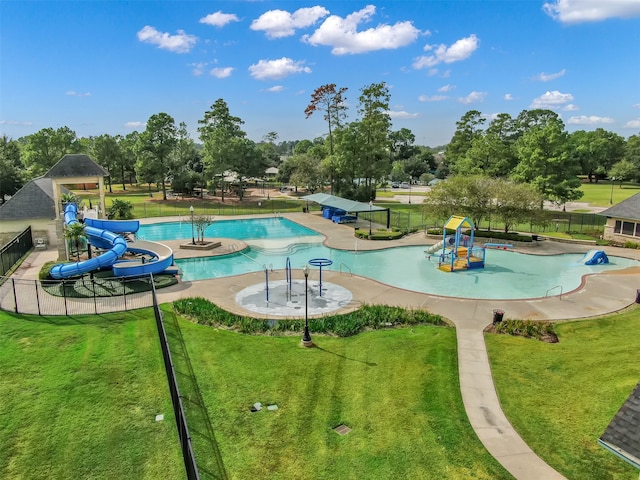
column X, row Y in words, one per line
column 600, row 194
column 397, row 390
column 79, row 396
column 561, row 397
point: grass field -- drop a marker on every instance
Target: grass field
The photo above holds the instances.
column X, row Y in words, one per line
column 600, row 194
column 397, row 390
column 561, row 397
column 79, row 396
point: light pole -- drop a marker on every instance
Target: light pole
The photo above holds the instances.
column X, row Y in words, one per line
column 306, row 337
column 193, row 240
column 410, row 190
column 613, row 180
column 370, row 205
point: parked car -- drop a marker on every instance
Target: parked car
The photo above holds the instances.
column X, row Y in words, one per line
column 395, row 185
column 404, row 185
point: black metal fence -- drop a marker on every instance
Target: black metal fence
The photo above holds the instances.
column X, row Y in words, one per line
column 14, row 250
column 55, row 297
column 176, row 399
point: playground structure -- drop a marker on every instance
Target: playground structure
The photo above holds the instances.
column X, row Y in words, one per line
column 103, row 234
column 457, row 252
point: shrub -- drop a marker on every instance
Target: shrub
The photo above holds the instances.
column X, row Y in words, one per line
column 43, row 274
column 630, row 244
column 525, row 328
column 204, row 312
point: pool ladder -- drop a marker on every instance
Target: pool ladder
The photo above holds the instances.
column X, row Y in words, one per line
column 346, row 267
column 553, row 288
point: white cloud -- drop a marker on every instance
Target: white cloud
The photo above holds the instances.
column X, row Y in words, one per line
column 576, row 11
column 275, row 88
column 277, row 69
column 633, row 124
column 221, row 72
column 545, row 77
column 490, row 116
column 589, row 120
column 198, row 68
column 134, row 124
column 342, row 34
column 219, row 19
column 473, row 97
column 180, row 43
column 551, row 100
column 16, row 123
column 280, row 23
column 460, row 50
column 637, row 105
column 72, row 93
column 508, row 97
column 434, row 98
column 402, row 115
column 570, row 108
column 446, row 88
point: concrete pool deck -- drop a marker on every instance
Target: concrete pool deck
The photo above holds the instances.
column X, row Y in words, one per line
column 598, row 295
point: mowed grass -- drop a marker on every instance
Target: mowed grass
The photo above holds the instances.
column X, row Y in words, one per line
column 397, row 390
column 600, row 194
column 561, row 397
column 79, row 396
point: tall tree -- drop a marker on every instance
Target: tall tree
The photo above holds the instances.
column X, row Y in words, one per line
column 107, row 152
column 158, row 142
column 219, row 132
column 375, row 128
column 544, row 161
column 402, row 144
column 596, row 151
column 129, row 157
column 11, row 179
column 46, row 147
column 330, row 100
column 468, row 128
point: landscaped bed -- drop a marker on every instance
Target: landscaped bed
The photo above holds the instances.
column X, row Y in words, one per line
column 560, row 397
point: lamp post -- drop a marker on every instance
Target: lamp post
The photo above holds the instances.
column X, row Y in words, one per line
column 193, row 240
column 370, row 205
column 410, row 178
column 306, row 337
column 613, row 180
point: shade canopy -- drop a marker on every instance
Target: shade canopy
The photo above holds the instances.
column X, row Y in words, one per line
column 349, row 206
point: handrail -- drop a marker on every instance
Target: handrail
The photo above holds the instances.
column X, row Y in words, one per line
column 346, row 267
column 253, row 260
column 553, row 288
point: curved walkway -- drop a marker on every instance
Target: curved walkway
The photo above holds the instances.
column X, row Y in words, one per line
column 599, row 294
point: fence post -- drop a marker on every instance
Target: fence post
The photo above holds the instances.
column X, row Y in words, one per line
column 37, row 296
column 93, row 287
column 64, row 295
column 15, row 297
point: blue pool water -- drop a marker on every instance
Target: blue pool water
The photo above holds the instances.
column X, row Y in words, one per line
column 507, row 275
column 245, row 229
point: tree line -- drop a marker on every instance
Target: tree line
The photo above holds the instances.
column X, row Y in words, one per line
column 352, row 158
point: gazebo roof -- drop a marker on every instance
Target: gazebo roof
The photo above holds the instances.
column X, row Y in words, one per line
column 628, row 209
column 75, row 166
column 622, row 436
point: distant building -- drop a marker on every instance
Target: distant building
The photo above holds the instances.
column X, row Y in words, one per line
column 623, row 221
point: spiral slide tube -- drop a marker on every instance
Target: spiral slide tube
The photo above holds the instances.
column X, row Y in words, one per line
column 101, row 234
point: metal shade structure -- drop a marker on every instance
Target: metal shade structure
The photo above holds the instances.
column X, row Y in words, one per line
column 349, row 206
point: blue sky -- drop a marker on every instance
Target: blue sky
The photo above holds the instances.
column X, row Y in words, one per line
column 107, row 66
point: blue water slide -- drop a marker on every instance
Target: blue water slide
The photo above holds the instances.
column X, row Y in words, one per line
column 97, row 236
column 118, row 226
column 161, row 261
column 595, row 257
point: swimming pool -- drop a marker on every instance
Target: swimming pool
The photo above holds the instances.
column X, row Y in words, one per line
column 507, row 274
column 244, row 229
